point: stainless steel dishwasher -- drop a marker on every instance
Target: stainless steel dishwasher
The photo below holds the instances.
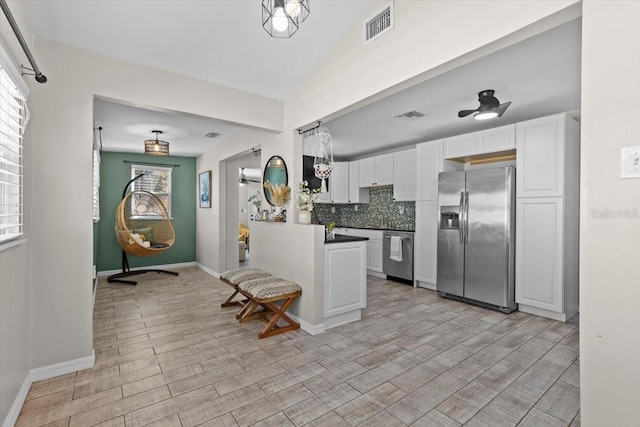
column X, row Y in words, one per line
column 398, row 264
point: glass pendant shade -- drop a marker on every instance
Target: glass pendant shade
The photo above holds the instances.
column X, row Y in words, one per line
column 282, row 18
column 156, row 147
column 323, row 161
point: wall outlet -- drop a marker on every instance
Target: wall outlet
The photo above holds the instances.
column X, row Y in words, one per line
column 630, row 162
column 401, row 210
column 333, row 209
column 355, row 208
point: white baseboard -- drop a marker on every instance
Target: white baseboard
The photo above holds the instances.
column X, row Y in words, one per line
column 15, row 409
column 43, row 373
column 342, row 319
column 376, row 274
column 208, row 270
column 62, row 368
column 308, row 327
column 157, row 267
column 562, row 317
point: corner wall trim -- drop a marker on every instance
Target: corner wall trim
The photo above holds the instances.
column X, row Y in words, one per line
column 44, row 373
column 308, row 327
column 15, row 409
column 62, row 368
column 208, row 271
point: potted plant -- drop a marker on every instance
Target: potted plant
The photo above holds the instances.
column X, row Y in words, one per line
column 306, row 198
column 256, row 201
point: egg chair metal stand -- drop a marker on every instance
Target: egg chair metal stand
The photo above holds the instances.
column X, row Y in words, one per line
column 143, row 228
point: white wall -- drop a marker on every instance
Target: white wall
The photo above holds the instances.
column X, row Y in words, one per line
column 15, row 273
column 434, row 32
column 610, row 247
column 213, row 250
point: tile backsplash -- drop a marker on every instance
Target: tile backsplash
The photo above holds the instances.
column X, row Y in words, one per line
column 380, row 211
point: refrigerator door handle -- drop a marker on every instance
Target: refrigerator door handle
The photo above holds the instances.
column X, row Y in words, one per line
column 462, row 218
column 466, row 217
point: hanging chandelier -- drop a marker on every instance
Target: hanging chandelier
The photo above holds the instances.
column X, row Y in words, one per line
column 155, row 147
column 282, row 18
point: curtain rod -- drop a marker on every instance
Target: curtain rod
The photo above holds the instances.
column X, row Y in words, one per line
column 149, row 164
column 40, row 78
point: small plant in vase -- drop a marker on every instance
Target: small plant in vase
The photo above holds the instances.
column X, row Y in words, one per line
column 306, row 198
column 256, row 201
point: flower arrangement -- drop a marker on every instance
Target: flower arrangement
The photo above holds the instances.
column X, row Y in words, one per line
column 279, row 193
column 307, row 197
column 256, row 201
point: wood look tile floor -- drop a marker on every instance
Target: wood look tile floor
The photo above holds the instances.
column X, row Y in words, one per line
column 168, row 355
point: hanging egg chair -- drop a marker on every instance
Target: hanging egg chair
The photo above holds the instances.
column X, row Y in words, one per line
column 143, row 228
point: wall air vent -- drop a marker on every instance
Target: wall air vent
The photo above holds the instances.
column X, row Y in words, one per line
column 212, row 135
column 411, row 115
column 379, row 24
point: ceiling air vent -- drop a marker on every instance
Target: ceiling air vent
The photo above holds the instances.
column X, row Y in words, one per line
column 212, row 135
column 378, row 24
column 411, row 115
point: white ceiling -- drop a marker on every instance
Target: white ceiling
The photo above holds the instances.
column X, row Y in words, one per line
column 540, row 75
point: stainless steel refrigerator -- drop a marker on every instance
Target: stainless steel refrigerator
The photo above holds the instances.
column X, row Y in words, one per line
column 476, row 237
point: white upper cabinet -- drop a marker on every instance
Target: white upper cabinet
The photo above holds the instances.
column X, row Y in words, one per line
column 496, row 139
column 340, row 183
column 429, row 163
column 357, row 194
column 547, row 152
column 482, row 142
column 404, row 175
column 376, row 171
column 460, row 146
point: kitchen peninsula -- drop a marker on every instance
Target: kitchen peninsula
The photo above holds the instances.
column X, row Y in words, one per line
column 332, row 273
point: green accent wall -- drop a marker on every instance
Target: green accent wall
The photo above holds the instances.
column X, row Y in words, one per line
column 114, row 175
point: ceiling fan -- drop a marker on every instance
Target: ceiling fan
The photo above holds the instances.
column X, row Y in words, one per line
column 489, row 107
column 244, row 180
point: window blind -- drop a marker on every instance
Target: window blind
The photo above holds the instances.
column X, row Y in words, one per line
column 96, row 184
column 13, row 120
column 156, row 180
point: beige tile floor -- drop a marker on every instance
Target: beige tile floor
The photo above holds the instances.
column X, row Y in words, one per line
column 168, row 355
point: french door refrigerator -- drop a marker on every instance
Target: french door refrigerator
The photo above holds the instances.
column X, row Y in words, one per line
column 476, row 237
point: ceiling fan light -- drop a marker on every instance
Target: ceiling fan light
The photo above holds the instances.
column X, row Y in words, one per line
column 485, row 115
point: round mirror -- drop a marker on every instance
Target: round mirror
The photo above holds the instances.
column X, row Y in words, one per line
column 276, row 173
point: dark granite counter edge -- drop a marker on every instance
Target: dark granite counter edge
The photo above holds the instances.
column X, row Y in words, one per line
column 341, row 238
column 376, row 228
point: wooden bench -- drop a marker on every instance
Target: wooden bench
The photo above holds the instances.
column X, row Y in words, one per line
column 236, row 276
column 263, row 293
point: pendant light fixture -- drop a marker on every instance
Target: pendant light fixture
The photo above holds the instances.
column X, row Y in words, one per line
column 282, row 18
column 323, row 161
column 155, row 147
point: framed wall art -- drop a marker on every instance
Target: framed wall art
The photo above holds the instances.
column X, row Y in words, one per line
column 205, row 189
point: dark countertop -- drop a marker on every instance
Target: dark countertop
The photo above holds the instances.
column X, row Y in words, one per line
column 341, row 238
column 377, row 228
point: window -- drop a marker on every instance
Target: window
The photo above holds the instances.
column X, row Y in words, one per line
column 156, row 180
column 96, row 184
column 13, row 120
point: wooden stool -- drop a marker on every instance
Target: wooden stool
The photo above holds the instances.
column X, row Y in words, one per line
column 236, row 276
column 264, row 293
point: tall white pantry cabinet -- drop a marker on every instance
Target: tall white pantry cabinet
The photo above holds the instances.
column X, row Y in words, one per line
column 547, row 216
column 430, row 163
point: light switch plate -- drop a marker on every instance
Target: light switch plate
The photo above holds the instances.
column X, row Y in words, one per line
column 630, row 162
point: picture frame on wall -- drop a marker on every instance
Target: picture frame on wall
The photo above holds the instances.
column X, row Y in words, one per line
column 204, row 180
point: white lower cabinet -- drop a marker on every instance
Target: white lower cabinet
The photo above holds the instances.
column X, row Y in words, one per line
column 546, row 258
column 426, row 244
column 374, row 249
column 345, row 277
